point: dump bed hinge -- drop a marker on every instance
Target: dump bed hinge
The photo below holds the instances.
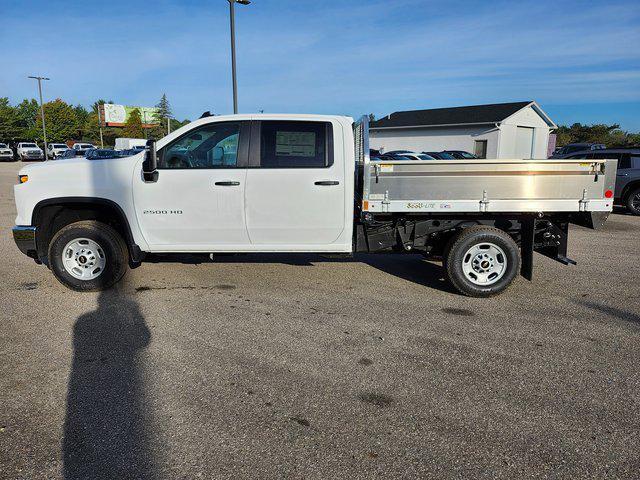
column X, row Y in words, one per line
column 484, row 203
column 582, row 204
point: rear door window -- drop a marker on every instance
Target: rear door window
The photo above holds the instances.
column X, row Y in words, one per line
column 295, row 144
column 625, row 161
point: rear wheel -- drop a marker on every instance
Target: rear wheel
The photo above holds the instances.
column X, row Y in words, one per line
column 482, row 261
column 88, row 256
column 633, row 201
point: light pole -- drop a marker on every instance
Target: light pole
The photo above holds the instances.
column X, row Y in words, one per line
column 233, row 48
column 44, row 128
column 100, row 126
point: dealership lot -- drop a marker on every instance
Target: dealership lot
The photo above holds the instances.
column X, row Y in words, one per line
column 302, row 366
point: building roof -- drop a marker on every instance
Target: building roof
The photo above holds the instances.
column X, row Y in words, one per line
column 475, row 114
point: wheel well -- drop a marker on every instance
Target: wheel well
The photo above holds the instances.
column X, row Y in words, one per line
column 628, row 188
column 50, row 216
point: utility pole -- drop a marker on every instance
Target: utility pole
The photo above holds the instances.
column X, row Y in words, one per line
column 100, row 127
column 233, row 49
column 144, row 122
column 168, row 125
column 44, row 128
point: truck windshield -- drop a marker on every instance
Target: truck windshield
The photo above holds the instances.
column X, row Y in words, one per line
column 3, row 145
column 29, row 145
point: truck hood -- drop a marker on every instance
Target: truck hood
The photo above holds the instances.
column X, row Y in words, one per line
column 78, row 164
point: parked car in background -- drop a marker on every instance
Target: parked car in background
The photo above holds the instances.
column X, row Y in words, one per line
column 135, row 151
column 440, row 155
column 6, row 154
column 627, row 191
column 397, row 152
column 101, row 154
column 29, row 151
column 416, row 156
column 82, row 148
column 69, row 153
column 56, row 149
column 460, row 154
column 564, row 152
column 377, row 155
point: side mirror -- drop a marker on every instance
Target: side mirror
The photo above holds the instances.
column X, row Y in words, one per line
column 150, row 164
column 218, row 155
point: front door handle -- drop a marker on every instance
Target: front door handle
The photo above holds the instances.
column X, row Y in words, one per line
column 327, row 182
column 227, row 183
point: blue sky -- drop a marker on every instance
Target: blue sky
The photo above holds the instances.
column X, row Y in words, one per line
column 579, row 59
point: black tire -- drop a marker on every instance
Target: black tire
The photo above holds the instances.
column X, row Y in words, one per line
column 455, row 260
column 632, row 201
column 113, row 247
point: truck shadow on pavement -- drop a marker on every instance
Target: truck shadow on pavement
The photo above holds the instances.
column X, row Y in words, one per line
column 410, row 267
column 107, row 418
column 618, row 313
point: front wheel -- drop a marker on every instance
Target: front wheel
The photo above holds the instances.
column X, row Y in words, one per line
column 633, row 201
column 482, row 261
column 88, row 256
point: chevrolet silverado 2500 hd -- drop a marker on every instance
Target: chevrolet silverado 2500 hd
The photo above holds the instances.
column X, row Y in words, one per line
column 302, row 183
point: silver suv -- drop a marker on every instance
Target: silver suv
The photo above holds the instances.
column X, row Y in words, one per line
column 628, row 178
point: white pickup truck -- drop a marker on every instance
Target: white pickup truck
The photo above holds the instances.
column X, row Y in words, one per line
column 29, row 151
column 302, row 183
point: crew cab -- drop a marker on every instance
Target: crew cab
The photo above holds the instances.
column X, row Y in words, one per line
column 302, row 183
column 29, row 151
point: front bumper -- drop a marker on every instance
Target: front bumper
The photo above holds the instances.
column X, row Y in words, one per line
column 33, row 156
column 25, row 238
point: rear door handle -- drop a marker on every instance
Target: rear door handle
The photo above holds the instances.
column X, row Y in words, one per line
column 227, row 183
column 327, row 182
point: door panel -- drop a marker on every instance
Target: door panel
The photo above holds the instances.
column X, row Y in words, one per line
column 197, row 203
column 295, row 194
column 187, row 208
column 285, row 206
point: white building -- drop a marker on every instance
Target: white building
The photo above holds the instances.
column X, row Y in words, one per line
column 502, row 130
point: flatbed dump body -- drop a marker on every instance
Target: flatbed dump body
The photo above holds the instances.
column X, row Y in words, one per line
column 497, row 186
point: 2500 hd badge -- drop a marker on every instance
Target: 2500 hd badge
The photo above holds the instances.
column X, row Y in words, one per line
column 162, row 212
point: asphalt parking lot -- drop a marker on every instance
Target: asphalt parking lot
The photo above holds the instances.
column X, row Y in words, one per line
column 303, row 367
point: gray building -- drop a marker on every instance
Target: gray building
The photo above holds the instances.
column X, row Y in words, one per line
column 502, row 130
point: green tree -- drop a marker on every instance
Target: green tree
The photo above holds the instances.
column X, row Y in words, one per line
column 81, row 114
column 94, row 107
column 163, row 113
column 133, row 126
column 610, row 135
column 27, row 112
column 60, row 120
column 9, row 125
